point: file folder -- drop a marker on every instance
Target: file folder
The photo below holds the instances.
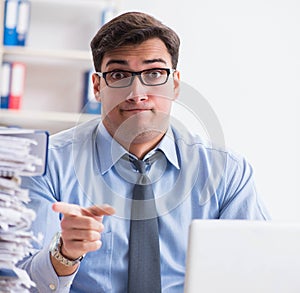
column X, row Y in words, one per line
column 107, row 14
column 5, row 84
column 90, row 104
column 23, row 22
column 16, row 85
column 10, row 22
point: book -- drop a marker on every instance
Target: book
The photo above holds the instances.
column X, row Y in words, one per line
column 90, row 104
column 10, row 22
column 5, row 84
column 16, row 85
column 23, row 22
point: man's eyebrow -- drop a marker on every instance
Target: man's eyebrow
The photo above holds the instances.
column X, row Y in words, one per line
column 116, row 61
column 124, row 62
column 155, row 60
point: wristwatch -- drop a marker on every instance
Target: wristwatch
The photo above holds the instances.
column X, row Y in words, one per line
column 55, row 250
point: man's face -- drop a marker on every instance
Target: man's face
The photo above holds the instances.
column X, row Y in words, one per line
column 138, row 113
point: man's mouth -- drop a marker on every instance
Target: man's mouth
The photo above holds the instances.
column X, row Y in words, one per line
column 136, row 110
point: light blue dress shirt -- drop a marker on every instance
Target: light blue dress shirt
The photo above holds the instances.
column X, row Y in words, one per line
column 192, row 180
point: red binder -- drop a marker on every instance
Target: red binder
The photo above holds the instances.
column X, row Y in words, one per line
column 17, row 85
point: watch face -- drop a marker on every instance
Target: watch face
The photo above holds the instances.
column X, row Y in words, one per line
column 55, row 242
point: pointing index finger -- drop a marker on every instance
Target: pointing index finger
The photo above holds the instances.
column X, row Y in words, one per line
column 76, row 210
column 67, row 208
column 103, row 210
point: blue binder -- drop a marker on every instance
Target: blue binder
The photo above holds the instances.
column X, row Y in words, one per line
column 107, row 14
column 23, row 22
column 90, row 104
column 5, row 84
column 16, row 22
column 10, row 22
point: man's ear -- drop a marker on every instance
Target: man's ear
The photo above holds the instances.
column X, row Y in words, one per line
column 176, row 78
column 96, row 86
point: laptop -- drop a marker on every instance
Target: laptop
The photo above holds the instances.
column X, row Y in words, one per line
column 243, row 256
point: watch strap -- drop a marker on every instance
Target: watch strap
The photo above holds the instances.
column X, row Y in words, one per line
column 55, row 250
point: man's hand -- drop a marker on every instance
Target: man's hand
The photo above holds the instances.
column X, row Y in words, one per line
column 80, row 231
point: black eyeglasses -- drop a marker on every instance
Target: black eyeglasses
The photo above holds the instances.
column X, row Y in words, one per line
column 123, row 78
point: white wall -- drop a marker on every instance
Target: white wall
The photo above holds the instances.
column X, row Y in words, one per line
column 244, row 58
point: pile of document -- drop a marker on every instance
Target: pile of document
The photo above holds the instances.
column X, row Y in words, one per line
column 19, row 156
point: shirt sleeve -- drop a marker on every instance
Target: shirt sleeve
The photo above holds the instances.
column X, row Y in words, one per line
column 42, row 273
column 240, row 198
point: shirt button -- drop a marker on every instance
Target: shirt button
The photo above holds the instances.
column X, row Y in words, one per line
column 52, row 287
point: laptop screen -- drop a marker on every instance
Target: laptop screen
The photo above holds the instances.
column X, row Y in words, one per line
column 243, row 256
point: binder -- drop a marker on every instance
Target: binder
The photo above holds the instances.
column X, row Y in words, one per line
column 16, row 85
column 107, row 14
column 10, row 22
column 90, row 104
column 23, row 22
column 5, row 84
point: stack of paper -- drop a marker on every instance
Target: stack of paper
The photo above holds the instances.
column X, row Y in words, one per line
column 20, row 154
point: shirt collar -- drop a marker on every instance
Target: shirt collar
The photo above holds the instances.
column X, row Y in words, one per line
column 110, row 152
column 168, row 147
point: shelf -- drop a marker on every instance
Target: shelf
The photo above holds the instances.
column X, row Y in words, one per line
column 51, row 121
column 9, row 115
column 43, row 53
column 72, row 2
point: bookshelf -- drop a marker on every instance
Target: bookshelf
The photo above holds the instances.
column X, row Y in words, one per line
column 56, row 56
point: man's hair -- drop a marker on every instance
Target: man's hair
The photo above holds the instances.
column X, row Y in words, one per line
column 132, row 28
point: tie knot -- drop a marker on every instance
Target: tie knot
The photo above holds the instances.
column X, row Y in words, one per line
column 140, row 165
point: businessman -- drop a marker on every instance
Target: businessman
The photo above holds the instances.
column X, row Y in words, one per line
column 120, row 191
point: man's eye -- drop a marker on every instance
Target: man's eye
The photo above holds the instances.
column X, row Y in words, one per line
column 154, row 74
column 117, row 75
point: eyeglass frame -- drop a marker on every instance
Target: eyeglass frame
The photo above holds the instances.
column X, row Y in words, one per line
column 135, row 73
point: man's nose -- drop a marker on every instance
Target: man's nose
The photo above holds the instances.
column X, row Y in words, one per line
column 138, row 91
